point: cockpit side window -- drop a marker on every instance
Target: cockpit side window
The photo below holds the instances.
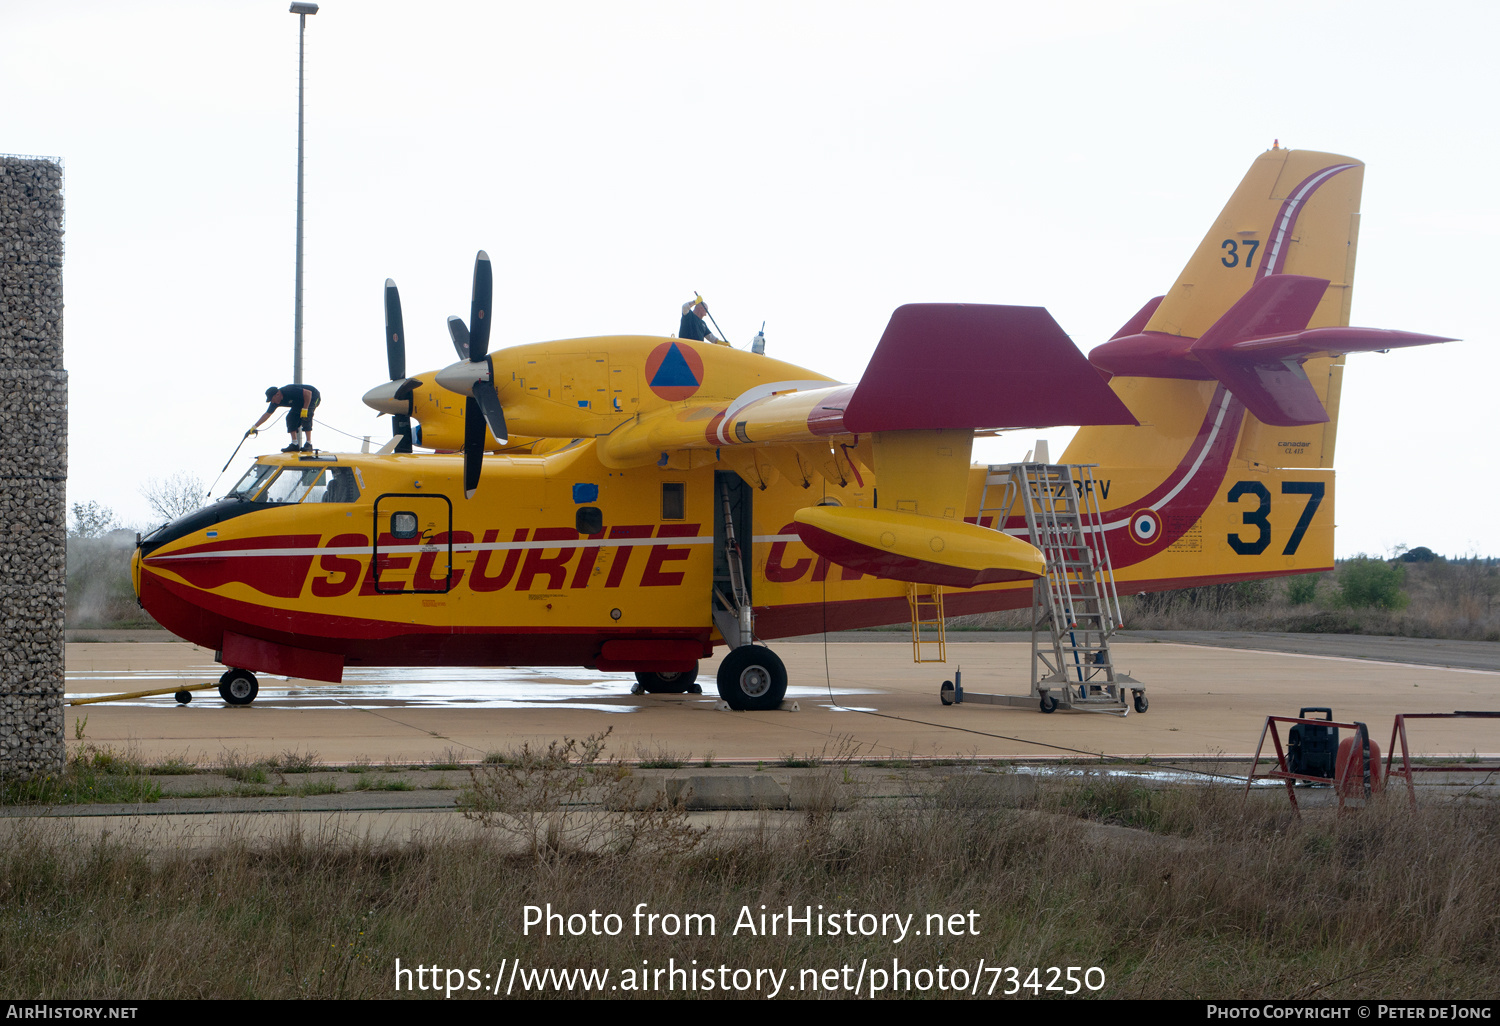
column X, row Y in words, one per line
column 340, row 486
column 251, row 483
column 292, row 484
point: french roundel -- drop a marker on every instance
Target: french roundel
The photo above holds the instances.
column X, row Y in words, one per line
column 1145, row 526
column 674, row 372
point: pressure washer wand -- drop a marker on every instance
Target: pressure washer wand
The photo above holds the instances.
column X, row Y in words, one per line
column 710, row 313
column 228, row 462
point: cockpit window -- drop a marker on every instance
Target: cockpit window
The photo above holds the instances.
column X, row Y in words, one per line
column 251, row 482
column 266, row 482
column 292, row 484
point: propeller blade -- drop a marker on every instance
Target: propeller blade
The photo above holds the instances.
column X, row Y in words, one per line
column 459, row 332
column 395, row 334
column 479, row 309
column 473, row 446
column 401, row 433
column 489, row 403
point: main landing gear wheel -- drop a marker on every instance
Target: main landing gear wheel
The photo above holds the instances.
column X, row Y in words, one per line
column 1141, row 705
column 752, row 677
column 668, row 683
column 238, row 687
column 1049, row 704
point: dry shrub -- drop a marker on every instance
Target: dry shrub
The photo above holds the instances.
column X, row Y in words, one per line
column 570, row 798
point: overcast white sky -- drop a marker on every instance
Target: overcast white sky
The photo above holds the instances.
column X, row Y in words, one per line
column 810, row 164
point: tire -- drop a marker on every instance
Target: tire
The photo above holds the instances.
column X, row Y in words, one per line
column 667, row 683
column 183, row 697
column 238, row 687
column 1049, row 704
column 752, row 677
column 945, row 693
column 1141, row 705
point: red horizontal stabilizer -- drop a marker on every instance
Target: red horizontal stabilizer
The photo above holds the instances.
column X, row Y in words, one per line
column 1256, row 349
column 949, row 366
column 1278, row 304
column 1276, row 391
column 1326, row 341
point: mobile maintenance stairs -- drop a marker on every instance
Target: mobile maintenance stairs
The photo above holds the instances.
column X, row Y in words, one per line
column 1074, row 607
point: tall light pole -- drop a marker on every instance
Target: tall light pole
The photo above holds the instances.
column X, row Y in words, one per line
column 301, row 10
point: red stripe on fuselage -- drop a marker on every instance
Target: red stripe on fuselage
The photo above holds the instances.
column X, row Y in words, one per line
column 203, row 618
column 1187, row 492
column 280, row 576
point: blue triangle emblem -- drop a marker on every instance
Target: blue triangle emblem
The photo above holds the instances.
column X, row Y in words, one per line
column 674, row 371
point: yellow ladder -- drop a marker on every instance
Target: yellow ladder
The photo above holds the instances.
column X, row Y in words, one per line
column 926, row 601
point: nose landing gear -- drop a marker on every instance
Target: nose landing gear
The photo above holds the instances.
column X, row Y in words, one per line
column 238, row 687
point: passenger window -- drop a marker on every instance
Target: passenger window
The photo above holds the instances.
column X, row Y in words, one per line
column 673, row 501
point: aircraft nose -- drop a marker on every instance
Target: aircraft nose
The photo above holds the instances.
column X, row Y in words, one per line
column 384, row 398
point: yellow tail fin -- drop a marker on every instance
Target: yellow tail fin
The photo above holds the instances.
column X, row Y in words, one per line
column 1295, row 212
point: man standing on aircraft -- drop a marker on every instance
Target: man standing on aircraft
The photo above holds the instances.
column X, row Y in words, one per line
column 301, row 401
column 693, row 312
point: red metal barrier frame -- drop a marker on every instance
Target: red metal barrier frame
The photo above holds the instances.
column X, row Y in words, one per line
column 1284, row 774
column 1398, row 730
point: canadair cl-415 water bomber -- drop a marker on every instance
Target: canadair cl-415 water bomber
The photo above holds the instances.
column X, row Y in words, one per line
column 627, row 503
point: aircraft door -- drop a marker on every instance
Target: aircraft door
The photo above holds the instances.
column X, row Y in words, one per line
column 413, row 544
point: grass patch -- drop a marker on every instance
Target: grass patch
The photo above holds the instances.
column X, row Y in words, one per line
column 371, row 783
column 297, row 762
column 239, row 767
column 450, row 760
column 1220, row 897
column 661, row 758
column 307, row 788
column 91, row 775
column 174, row 767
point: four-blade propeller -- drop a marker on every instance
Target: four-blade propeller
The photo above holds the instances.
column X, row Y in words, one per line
column 473, row 375
column 394, row 397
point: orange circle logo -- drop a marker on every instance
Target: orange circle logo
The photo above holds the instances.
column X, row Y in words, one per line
column 674, row 371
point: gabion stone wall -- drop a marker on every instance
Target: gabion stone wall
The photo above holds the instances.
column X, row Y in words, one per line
column 33, row 467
